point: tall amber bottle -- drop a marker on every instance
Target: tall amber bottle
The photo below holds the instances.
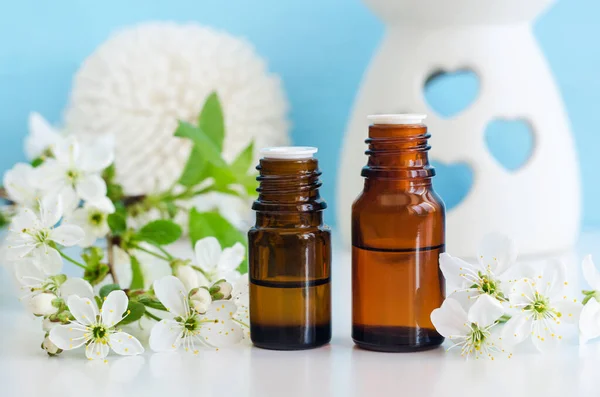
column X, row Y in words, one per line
column 397, row 237
column 289, row 254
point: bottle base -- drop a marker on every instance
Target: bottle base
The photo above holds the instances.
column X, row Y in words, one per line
column 290, row 337
column 395, row 339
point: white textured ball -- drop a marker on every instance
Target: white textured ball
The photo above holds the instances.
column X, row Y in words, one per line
column 143, row 79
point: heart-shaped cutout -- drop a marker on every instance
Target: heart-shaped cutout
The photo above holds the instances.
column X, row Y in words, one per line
column 449, row 93
column 511, row 142
column 452, row 182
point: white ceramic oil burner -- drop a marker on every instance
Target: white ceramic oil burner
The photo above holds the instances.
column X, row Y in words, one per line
column 537, row 204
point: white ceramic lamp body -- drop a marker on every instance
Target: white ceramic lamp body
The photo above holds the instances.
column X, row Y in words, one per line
column 538, row 204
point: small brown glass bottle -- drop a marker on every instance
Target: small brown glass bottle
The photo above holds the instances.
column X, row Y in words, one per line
column 397, row 237
column 289, row 254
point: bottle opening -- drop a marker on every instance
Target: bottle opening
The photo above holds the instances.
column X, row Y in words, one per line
column 288, row 152
column 397, row 119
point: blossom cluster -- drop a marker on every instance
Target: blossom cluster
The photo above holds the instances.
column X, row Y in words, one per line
column 69, row 196
column 497, row 303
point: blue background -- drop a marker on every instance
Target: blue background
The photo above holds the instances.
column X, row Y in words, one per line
column 319, row 48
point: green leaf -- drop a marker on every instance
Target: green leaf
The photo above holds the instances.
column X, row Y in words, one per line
column 36, row 162
column 4, row 221
column 195, row 169
column 206, row 224
column 161, row 232
column 211, row 120
column 136, row 311
column 107, row 289
column 243, row 161
column 137, row 279
column 205, row 145
column 117, row 222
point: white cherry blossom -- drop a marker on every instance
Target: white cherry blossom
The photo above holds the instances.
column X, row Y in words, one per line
column 216, row 263
column 33, row 235
column 497, row 254
column 35, row 282
column 96, row 328
column 75, row 171
column 542, row 308
column 472, row 331
column 589, row 320
column 92, row 218
column 42, row 136
column 20, row 186
column 188, row 328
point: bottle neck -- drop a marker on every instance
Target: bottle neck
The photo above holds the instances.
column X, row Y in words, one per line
column 398, row 152
column 288, row 194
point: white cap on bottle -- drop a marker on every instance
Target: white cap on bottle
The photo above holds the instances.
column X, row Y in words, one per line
column 288, row 152
column 397, row 119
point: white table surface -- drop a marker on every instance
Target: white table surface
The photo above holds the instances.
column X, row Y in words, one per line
column 339, row 369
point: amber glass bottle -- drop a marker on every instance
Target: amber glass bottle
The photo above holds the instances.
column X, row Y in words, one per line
column 397, row 237
column 289, row 254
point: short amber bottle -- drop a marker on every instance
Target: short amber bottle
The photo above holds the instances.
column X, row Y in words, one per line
column 397, row 237
column 289, row 254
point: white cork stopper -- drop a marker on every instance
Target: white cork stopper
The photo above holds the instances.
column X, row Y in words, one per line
column 397, row 119
column 288, row 152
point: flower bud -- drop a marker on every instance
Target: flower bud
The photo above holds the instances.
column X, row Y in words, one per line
column 221, row 290
column 41, row 304
column 187, row 275
column 50, row 347
column 201, row 300
column 48, row 324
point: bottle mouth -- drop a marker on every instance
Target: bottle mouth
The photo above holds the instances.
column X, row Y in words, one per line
column 288, row 152
column 397, row 119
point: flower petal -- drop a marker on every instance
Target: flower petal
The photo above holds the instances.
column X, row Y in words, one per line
column 451, row 319
column 82, row 309
column 455, row 269
column 68, row 336
column 231, row 258
column 222, row 334
column 516, row 330
column 187, row 275
column 97, row 350
column 67, row 235
column 51, row 210
column 166, row 336
column 76, row 286
column 485, row 311
column 29, row 275
column 18, row 184
column 25, row 219
column 124, row 344
column 589, row 321
column 569, row 310
column 91, row 187
column 521, row 293
column 544, row 337
column 48, row 259
column 114, row 307
column 208, row 252
column 171, row 292
column 590, row 273
column 220, row 310
column 466, row 298
column 97, row 156
column 497, row 253
column 67, row 150
column 41, row 136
